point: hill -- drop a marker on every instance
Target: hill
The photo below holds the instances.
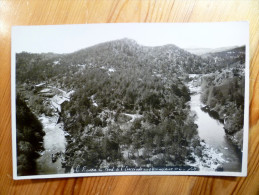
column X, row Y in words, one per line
column 129, row 104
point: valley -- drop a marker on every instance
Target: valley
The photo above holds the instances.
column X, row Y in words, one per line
column 120, row 104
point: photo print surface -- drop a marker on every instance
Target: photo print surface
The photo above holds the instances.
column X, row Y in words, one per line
column 130, row 99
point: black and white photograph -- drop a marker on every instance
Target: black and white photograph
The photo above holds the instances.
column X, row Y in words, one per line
column 130, row 99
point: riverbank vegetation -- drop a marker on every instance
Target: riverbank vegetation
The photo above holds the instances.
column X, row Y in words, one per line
column 223, row 93
column 130, row 103
column 29, row 137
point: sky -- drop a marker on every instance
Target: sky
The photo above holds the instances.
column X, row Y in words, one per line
column 70, row 38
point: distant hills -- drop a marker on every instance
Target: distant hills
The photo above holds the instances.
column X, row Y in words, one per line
column 128, row 53
column 202, row 51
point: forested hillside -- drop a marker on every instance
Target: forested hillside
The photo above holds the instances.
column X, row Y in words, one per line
column 124, row 53
column 130, row 118
column 129, row 104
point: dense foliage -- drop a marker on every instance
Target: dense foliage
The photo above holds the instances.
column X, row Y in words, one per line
column 29, row 138
column 130, row 102
column 100, row 117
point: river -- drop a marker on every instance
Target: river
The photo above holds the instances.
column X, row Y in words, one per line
column 54, row 140
column 213, row 133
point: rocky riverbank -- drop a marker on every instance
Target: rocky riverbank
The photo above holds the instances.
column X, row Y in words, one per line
column 211, row 129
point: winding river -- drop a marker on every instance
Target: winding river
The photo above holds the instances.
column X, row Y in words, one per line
column 213, row 133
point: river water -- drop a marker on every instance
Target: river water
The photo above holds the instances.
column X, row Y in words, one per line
column 54, row 140
column 213, row 133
